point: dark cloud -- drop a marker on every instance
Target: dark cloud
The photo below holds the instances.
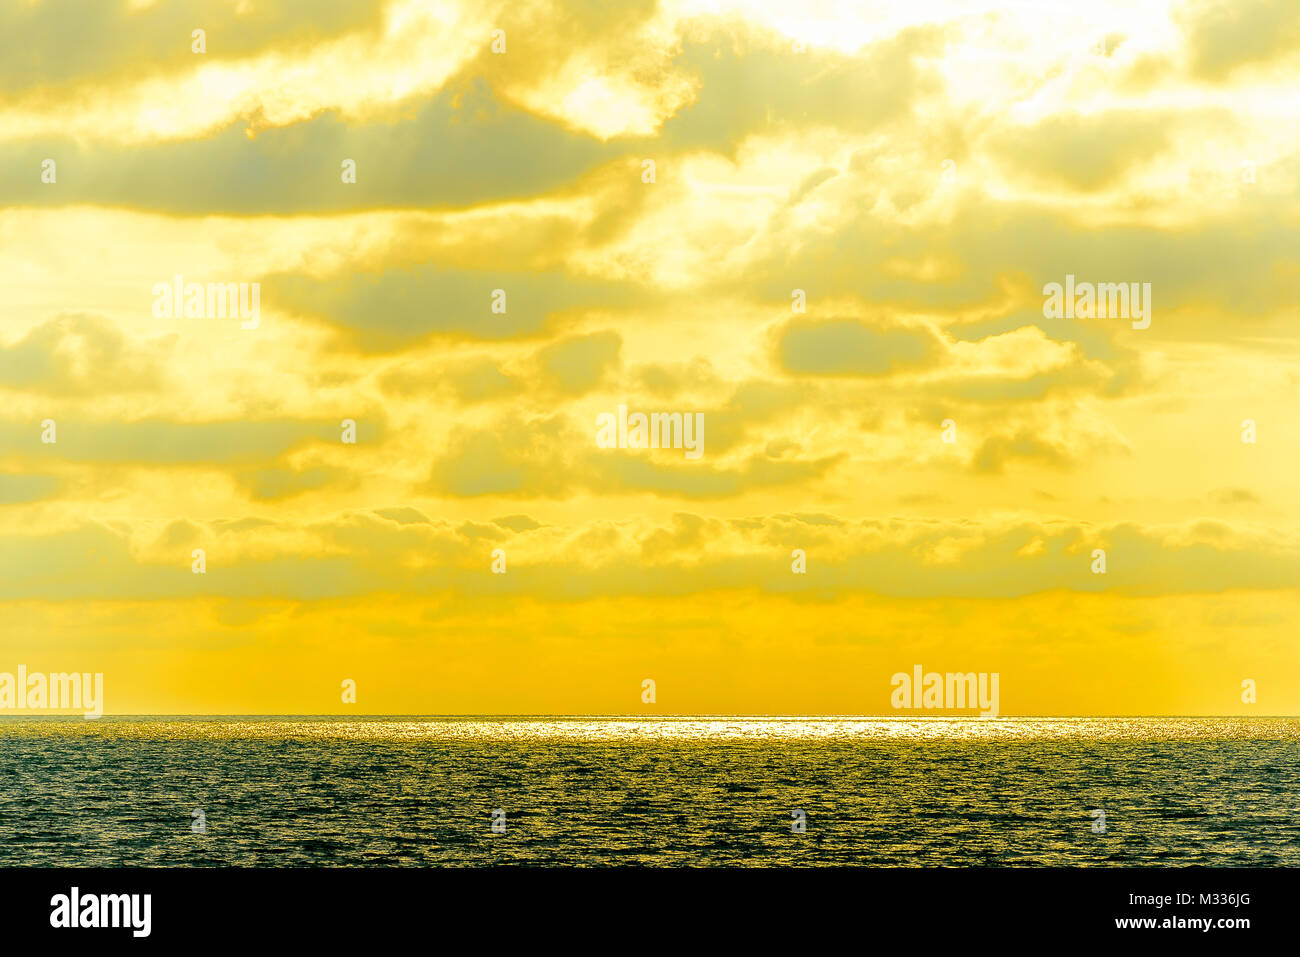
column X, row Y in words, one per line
column 53, row 45
column 460, row 148
column 547, row 457
column 1090, row 151
column 851, row 347
column 1223, row 37
column 995, row 452
column 576, row 365
column 160, row 442
column 78, row 354
column 266, row 484
column 24, row 488
column 1244, row 266
column 396, row 308
column 747, row 89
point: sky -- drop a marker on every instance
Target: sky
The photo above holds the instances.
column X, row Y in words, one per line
column 824, row 228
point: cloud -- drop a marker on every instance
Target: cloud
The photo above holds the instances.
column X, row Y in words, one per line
column 757, row 85
column 1087, row 151
column 822, row 170
column 459, row 148
column 514, row 457
column 268, row 484
column 358, row 553
column 547, row 457
column 1223, row 38
column 45, row 46
column 852, row 347
column 577, row 365
column 1235, row 265
column 398, row 308
column 160, row 442
column 404, row 515
column 24, row 488
column 78, row 354
column 1234, row 496
column 995, row 452
column 517, row 523
column 629, row 473
column 667, row 379
column 472, row 380
column 753, row 405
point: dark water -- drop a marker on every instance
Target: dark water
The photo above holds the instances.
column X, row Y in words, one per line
column 321, row 791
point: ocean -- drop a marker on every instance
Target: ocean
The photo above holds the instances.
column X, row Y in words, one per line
column 689, row 791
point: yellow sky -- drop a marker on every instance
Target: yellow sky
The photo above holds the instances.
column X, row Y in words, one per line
column 842, row 244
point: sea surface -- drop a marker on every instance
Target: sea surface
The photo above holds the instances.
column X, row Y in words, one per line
column 702, row 791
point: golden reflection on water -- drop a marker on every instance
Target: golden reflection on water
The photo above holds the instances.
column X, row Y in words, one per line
column 684, row 728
